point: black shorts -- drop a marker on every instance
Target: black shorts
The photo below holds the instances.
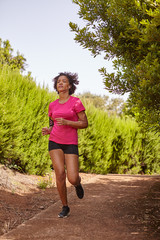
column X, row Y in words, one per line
column 66, row 148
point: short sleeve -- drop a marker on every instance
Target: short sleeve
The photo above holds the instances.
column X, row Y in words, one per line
column 79, row 106
column 49, row 111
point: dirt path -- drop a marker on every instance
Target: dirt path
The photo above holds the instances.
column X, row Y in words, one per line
column 115, row 207
column 21, row 198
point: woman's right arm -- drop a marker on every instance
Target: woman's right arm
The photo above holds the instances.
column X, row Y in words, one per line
column 46, row 130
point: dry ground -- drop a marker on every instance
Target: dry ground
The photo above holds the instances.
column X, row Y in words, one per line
column 21, row 196
column 133, row 201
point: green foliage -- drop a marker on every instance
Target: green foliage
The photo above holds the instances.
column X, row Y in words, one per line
column 127, row 31
column 113, row 106
column 23, row 113
column 45, row 183
column 117, row 145
column 110, row 144
column 97, row 100
column 7, row 58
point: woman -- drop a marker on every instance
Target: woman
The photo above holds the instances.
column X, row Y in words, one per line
column 66, row 114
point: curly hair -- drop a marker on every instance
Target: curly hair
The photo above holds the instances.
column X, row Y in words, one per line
column 73, row 81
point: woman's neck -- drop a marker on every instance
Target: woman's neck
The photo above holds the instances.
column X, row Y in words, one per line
column 63, row 97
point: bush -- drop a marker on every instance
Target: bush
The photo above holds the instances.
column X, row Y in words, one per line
column 23, row 113
column 109, row 145
column 117, row 145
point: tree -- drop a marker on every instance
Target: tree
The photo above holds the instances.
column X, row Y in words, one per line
column 113, row 106
column 97, row 100
column 128, row 32
column 7, row 58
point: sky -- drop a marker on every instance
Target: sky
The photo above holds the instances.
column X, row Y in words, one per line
column 39, row 29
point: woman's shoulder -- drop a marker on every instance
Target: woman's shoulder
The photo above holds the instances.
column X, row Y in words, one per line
column 53, row 103
column 76, row 102
column 74, row 99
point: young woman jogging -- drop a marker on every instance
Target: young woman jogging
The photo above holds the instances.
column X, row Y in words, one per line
column 67, row 115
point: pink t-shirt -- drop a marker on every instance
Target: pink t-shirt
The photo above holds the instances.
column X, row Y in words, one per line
column 64, row 134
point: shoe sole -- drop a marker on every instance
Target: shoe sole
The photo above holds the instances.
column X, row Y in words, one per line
column 64, row 216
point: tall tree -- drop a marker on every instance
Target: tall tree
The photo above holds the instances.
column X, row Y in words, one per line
column 97, row 100
column 128, row 32
column 7, row 58
column 113, row 106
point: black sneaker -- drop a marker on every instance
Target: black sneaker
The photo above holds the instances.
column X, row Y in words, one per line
column 79, row 191
column 64, row 213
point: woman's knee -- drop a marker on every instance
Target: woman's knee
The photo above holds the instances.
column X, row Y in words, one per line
column 74, row 180
column 61, row 176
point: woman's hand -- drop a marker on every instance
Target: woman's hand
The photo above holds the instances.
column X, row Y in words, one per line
column 80, row 124
column 46, row 131
column 61, row 121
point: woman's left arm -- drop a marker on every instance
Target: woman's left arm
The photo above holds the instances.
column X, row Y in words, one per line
column 80, row 124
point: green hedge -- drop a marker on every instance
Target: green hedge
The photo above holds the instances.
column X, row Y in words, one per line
column 108, row 145
column 117, row 145
column 23, row 113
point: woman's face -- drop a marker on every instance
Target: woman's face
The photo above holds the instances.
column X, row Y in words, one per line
column 63, row 84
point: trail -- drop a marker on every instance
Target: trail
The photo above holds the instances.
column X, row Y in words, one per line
column 115, row 207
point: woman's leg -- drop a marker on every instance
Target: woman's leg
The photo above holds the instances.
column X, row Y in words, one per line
column 72, row 165
column 58, row 161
